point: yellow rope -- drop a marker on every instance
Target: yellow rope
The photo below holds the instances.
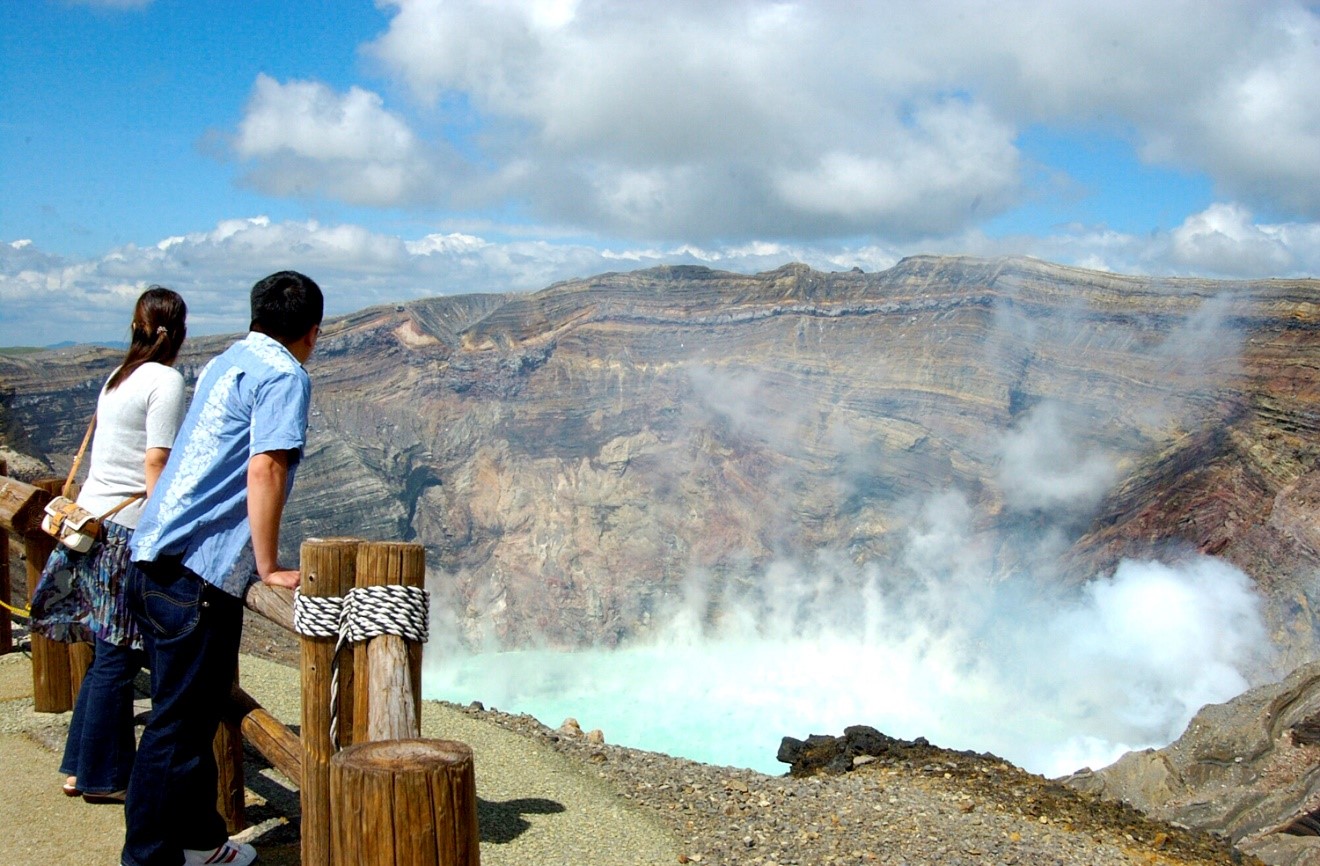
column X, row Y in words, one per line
column 24, row 612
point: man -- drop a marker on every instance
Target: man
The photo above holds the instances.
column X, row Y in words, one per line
column 210, row 528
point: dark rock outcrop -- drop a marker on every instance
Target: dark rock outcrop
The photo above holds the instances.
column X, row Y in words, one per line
column 859, row 745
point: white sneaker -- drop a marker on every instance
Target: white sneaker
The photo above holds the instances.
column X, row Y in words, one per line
column 231, row 854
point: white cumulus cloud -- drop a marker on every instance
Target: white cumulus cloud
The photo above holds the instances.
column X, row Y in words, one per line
column 302, row 138
column 358, row 267
column 361, row 266
column 1223, row 239
column 938, row 170
column 694, row 121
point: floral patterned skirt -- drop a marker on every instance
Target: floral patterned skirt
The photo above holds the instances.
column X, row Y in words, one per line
column 81, row 595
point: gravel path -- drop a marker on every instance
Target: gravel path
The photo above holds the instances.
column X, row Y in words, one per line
column 536, row 806
column 551, row 797
column 919, row 805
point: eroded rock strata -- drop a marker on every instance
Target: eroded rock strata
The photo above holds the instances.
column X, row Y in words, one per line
column 1247, row 770
column 571, row 457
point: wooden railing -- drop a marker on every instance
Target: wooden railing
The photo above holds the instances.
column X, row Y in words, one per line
column 57, row 668
column 415, row 798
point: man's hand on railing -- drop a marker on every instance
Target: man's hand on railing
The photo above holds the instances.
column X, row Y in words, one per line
column 287, row 578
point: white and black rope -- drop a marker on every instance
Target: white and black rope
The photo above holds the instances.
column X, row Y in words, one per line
column 365, row 612
column 375, row 610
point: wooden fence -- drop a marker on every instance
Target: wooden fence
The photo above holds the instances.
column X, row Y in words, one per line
column 371, row 790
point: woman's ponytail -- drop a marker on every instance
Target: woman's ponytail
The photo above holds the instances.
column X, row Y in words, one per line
column 156, row 334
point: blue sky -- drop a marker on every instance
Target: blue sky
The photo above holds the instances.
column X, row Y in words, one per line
column 409, row 148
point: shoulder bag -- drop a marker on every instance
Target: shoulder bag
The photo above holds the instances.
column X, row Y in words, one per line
column 72, row 525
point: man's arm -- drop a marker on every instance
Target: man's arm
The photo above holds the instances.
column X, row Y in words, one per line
column 266, row 483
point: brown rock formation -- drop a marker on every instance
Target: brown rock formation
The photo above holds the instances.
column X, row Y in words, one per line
column 1248, row 769
column 569, row 456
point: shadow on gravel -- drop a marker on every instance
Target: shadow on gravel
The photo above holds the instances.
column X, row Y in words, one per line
column 503, row 822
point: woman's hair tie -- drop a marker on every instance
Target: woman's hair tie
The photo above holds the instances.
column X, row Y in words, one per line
column 162, row 331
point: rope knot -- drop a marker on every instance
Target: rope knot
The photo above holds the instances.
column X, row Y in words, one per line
column 363, row 613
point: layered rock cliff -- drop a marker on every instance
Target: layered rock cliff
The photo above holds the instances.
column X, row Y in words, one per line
column 1247, row 770
column 571, row 457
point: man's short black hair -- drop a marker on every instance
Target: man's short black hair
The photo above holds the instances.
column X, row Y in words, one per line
column 286, row 305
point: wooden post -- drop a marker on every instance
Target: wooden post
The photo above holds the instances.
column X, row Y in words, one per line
column 388, row 684
column 52, row 690
column 229, row 794
column 21, row 510
column 327, row 570
column 6, row 588
column 20, row 514
column 405, row 803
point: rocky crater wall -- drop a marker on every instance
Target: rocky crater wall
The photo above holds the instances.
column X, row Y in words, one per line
column 572, row 457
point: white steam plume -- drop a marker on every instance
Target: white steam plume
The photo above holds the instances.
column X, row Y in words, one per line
column 1048, row 680
column 1043, row 466
column 937, row 642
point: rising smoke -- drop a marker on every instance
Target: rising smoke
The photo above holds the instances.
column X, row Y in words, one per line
column 941, row 640
column 1049, row 679
column 1044, row 467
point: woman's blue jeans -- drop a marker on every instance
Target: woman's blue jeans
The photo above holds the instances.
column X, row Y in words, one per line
column 191, row 631
column 100, row 746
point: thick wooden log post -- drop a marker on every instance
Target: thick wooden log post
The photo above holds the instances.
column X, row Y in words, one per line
column 57, row 668
column 6, row 596
column 52, row 689
column 327, row 571
column 388, row 675
column 21, row 509
column 405, row 803
column 230, row 791
column 6, row 588
column 20, row 514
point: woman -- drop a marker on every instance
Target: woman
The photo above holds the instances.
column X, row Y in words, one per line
column 80, row 596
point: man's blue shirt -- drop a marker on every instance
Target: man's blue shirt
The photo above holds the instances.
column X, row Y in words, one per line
column 252, row 398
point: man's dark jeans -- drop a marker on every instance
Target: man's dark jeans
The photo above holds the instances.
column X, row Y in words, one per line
column 191, row 631
column 99, row 749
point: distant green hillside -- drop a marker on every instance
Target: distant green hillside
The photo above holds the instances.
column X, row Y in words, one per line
column 29, row 350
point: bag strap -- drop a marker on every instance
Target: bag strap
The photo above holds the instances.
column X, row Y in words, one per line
column 77, row 461
column 120, row 507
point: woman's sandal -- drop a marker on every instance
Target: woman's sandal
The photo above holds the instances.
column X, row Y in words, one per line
column 70, row 787
column 111, row 797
